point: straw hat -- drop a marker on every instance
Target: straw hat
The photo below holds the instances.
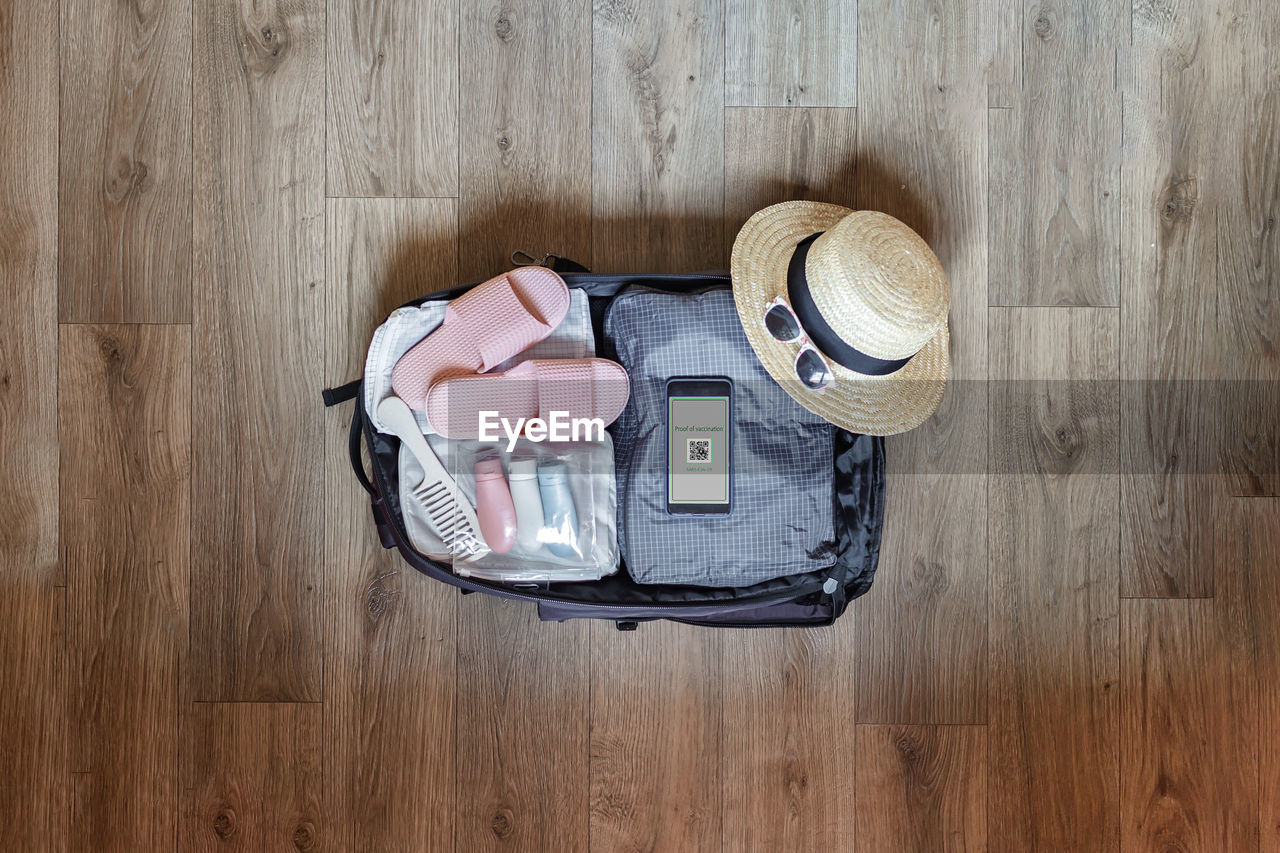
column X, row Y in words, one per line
column 869, row 295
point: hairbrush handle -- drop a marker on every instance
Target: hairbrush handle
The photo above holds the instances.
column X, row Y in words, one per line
column 397, row 418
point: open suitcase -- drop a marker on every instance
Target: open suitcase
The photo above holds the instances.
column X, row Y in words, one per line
column 813, row 599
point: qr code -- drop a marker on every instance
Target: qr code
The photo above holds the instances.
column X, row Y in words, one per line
column 697, row 450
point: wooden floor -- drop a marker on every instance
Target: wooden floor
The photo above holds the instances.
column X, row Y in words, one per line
column 206, row 206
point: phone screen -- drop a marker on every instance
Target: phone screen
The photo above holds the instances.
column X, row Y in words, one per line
column 699, row 446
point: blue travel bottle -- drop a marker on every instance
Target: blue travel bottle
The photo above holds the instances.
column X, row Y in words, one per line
column 560, row 535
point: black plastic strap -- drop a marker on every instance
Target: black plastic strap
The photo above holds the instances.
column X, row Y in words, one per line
column 559, row 264
column 353, row 447
column 385, row 536
column 341, row 394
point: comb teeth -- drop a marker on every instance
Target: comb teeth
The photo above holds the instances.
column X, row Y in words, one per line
column 455, row 531
column 448, row 511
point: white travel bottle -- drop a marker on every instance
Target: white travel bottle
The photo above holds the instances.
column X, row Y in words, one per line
column 523, row 475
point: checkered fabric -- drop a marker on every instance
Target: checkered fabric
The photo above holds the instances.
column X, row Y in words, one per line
column 782, row 519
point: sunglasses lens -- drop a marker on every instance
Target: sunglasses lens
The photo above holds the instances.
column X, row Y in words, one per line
column 812, row 370
column 781, row 323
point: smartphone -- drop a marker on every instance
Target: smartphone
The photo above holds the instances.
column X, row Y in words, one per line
column 699, row 446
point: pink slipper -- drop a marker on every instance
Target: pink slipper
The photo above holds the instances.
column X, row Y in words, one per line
column 579, row 388
column 483, row 328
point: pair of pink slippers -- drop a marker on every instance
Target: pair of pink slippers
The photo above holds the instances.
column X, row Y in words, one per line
column 445, row 375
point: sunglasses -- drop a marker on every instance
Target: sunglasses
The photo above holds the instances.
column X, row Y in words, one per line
column 811, row 368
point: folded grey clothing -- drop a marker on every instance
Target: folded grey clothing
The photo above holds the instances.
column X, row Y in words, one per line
column 782, row 520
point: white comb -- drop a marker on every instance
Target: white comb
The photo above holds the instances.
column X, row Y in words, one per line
column 447, row 508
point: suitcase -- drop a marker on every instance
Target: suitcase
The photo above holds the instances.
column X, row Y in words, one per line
column 814, row 599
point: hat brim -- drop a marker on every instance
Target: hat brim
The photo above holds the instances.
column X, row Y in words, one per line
column 872, row 405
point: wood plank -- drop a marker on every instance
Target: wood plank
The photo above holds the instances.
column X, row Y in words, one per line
column 1054, row 614
column 1248, row 257
column 773, row 155
column 921, row 788
column 33, row 722
column 800, row 54
column 124, row 425
column 1055, row 161
column 1249, row 541
column 523, row 750
column 251, row 777
column 257, row 543
column 1189, row 730
column 922, row 132
column 29, row 294
column 788, row 752
column 526, row 168
column 125, row 176
column 389, row 711
column 393, row 98
column 1180, row 115
column 656, row 740
column 658, row 137
column 1002, row 35
column 786, row 779
column 1192, row 676
column 401, row 783
column 34, row 797
column 381, row 253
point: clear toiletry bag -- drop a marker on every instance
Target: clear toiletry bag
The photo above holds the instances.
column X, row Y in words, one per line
column 545, row 511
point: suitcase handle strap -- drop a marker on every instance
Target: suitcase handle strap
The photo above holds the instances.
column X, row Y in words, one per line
column 342, row 394
column 553, row 262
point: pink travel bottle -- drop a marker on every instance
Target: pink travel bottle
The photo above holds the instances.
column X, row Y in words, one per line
column 496, row 512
